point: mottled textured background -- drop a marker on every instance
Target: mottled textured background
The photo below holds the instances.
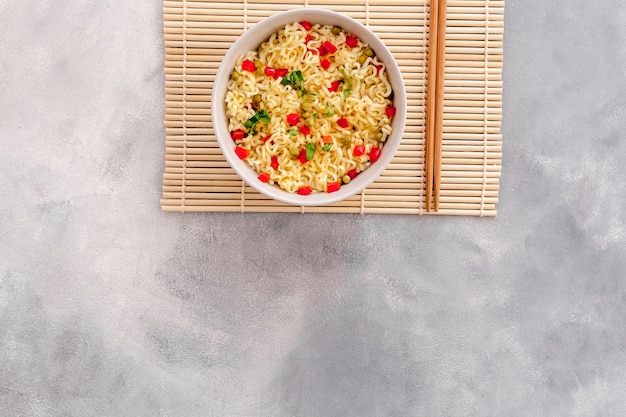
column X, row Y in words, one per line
column 109, row 307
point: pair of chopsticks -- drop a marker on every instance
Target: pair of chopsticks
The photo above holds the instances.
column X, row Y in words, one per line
column 434, row 101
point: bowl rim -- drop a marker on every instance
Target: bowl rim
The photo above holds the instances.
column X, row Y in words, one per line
column 257, row 34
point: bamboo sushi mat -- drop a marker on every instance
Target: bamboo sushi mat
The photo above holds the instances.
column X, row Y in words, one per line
column 199, row 33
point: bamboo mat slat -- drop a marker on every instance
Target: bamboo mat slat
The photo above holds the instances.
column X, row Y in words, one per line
column 198, row 33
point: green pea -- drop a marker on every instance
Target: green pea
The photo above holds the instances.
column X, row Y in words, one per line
column 378, row 136
column 369, row 52
column 345, row 179
column 362, row 59
column 256, row 98
column 259, row 67
column 335, row 30
column 235, row 76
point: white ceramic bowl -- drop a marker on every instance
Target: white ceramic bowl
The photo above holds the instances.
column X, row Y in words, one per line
column 251, row 40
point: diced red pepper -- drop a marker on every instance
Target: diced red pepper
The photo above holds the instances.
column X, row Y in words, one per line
column 304, row 190
column 242, row 153
column 248, row 65
column 374, row 154
column 342, row 122
column 330, row 48
column 323, row 51
column 266, row 138
column 334, row 86
column 274, row 163
column 270, row 72
column 391, row 111
column 237, row 134
column 358, row 150
column 352, row 173
column 305, row 130
column 293, row 119
column 313, row 51
column 276, row 72
column 352, row 41
column 264, row 177
column 325, row 63
column 379, row 68
column 302, row 156
column 331, row 187
column 306, row 25
column 307, row 38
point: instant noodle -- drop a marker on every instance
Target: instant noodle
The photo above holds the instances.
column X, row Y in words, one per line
column 310, row 109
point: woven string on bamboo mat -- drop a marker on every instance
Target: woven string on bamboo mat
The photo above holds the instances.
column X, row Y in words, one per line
column 199, row 33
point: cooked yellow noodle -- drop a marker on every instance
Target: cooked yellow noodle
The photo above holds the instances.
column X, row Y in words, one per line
column 362, row 99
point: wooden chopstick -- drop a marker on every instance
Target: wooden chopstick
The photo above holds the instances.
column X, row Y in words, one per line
column 430, row 101
column 434, row 101
column 441, row 60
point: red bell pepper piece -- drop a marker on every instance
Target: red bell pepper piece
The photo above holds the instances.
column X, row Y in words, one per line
column 274, row 163
column 293, row 119
column 331, row 187
column 270, row 72
column 304, row 190
column 322, row 50
column 242, row 153
column 307, row 38
column 248, row 65
column 305, row 130
column 342, row 122
column 352, row 173
column 237, row 134
column 276, row 72
column 330, row 48
column 325, row 63
column 302, row 157
column 374, row 154
column 266, row 138
column 352, row 41
column 306, row 25
column 391, row 111
column 264, row 177
column 334, row 86
column 358, row 150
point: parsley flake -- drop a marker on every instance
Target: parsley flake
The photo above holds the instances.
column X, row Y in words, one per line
column 310, row 151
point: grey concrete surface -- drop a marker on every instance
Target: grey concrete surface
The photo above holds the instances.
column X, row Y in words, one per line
column 109, row 307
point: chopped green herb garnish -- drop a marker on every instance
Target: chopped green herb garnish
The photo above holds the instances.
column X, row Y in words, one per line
column 295, row 80
column 259, row 116
column 294, row 77
column 327, row 147
column 347, row 83
column 310, row 151
column 329, row 111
